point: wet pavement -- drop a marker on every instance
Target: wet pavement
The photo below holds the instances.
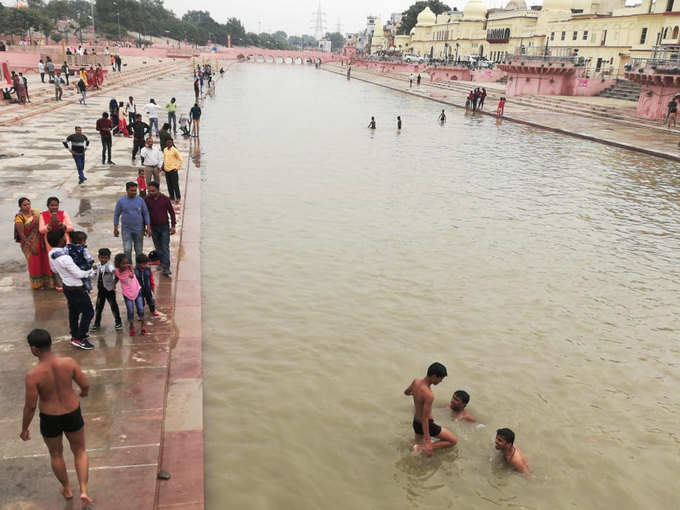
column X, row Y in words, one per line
column 129, row 376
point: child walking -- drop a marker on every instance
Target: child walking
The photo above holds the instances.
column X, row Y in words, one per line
column 131, row 289
column 106, row 290
column 78, row 251
column 145, row 278
column 141, row 182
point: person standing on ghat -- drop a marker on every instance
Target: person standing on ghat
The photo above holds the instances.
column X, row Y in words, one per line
column 133, row 216
column 195, row 116
column 139, row 130
column 152, row 159
column 172, row 162
column 41, row 70
column 66, row 70
column 160, row 211
column 171, row 108
column 104, row 126
column 151, row 109
column 79, row 144
column 80, row 310
column 49, row 388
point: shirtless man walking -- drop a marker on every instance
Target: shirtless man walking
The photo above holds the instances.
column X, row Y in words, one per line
column 49, row 386
column 423, row 425
column 505, row 442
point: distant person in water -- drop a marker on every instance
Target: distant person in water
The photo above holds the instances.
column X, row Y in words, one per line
column 442, row 117
column 372, row 123
column 459, row 400
column 424, row 426
column 398, row 122
column 505, row 443
column 501, row 107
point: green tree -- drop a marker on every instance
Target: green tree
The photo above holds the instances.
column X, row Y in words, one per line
column 235, row 29
column 410, row 16
column 337, row 41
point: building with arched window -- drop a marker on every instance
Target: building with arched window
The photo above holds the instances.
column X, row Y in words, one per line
column 607, row 34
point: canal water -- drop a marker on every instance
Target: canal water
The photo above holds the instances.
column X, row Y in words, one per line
column 339, row 262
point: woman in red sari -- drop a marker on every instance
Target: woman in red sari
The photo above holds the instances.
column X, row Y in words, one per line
column 54, row 219
column 100, row 75
column 91, row 78
column 26, row 224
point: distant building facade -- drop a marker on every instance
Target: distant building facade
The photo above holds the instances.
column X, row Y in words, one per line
column 606, row 33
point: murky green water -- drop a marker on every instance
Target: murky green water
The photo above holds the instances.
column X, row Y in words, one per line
column 339, row 262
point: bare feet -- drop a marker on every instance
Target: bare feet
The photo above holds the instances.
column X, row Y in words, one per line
column 66, row 492
column 85, row 500
column 417, row 447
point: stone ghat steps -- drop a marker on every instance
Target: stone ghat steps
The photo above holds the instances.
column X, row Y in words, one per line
column 548, row 103
column 10, row 114
column 622, row 89
column 46, row 94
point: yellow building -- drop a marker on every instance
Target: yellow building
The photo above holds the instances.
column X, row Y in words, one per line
column 606, row 33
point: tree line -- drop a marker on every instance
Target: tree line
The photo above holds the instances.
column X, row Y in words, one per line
column 114, row 18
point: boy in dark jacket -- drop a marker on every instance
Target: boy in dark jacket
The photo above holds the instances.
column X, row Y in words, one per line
column 145, row 278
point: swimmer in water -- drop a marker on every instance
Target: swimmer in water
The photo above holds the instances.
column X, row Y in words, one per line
column 398, row 122
column 372, row 123
column 423, row 425
column 505, row 439
column 457, row 405
column 442, row 117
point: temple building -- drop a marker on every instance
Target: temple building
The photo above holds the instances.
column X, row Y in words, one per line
column 607, row 34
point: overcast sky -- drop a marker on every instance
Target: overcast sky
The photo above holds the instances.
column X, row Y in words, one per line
column 295, row 16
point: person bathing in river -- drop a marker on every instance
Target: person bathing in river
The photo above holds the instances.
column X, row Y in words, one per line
column 372, row 123
column 423, row 425
column 398, row 122
column 459, row 400
column 442, row 117
column 505, row 443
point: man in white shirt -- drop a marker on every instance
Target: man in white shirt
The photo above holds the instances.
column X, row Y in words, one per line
column 151, row 109
column 80, row 310
column 152, row 159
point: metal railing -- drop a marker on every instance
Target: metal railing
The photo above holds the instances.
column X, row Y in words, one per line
column 549, row 59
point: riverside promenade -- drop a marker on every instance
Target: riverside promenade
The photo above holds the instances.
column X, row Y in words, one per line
column 632, row 134
column 145, row 407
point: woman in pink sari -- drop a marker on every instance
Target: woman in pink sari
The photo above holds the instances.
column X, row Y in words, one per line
column 26, row 232
column 53, row 219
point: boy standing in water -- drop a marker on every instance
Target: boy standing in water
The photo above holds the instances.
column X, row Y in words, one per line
column 423, row 425
column 49, row 387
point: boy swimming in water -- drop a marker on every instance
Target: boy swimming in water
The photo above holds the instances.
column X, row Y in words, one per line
column 459, row 400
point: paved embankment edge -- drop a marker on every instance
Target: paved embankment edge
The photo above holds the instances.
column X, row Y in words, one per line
column 517, row 120
column 182, row 447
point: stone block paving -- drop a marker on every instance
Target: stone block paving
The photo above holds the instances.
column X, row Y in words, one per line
column 129, row 376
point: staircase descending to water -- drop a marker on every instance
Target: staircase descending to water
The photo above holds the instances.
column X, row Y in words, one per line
column 622, row 89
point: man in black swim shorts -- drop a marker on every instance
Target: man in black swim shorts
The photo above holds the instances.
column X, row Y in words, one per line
column 423, row 425
column 49, row 387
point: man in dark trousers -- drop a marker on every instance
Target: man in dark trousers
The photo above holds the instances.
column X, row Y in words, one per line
column 139, row 131
column 162, row 217
column 80, row 310
column 104, row 126
column 79, row 144
column 66, row 70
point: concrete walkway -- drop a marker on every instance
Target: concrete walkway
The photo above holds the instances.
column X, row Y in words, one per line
column 632, row 135
column 132, row 378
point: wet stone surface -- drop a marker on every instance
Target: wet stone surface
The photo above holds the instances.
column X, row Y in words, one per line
column 128, row 375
